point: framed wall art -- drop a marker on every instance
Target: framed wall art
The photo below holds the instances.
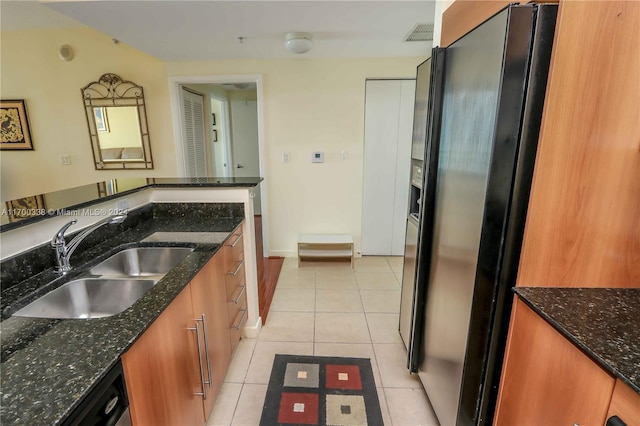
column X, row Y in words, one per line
column 14, row 126
column 23, row 208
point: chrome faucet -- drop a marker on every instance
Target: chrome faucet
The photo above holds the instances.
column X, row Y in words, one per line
column 64, row 251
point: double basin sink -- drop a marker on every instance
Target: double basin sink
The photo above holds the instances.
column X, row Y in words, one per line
column 110, row 287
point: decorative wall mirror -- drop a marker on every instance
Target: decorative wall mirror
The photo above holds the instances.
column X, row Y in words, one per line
column 117, row 122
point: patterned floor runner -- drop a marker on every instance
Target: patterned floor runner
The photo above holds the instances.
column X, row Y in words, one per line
column 311, row 390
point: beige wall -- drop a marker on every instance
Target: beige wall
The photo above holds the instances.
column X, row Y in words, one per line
column 311, row 105
column 32, row 70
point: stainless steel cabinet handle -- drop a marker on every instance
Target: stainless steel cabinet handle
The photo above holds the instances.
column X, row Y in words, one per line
column 237, row 299
column 203, row 394
column 234, row 273
column 233, row 244
column 244, row 314
column 206, row 349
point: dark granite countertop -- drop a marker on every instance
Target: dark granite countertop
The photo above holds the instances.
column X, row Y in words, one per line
column 42, row 206
column 603, row 322
column 50, row 365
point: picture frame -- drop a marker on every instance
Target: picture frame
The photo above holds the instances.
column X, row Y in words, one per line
column 22, row 208
column 15, row 133
column 213, row 116
column 215, row 136
column 102, row 120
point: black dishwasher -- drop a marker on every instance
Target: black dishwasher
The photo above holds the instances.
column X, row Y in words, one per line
column 106, row 405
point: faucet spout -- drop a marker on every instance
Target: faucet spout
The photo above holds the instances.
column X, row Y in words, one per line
column 64, row 251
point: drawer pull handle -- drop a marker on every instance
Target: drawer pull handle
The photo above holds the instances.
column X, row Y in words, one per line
column 237, row 299
column 233, row 244
column 244, row 313
column 234, row 273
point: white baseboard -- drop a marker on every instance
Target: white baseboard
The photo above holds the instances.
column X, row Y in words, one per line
column 283, row 253
column 251, row 331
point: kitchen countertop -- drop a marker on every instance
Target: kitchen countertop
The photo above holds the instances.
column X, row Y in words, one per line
column 603, row 322
column 53, row 203
column 49, row 365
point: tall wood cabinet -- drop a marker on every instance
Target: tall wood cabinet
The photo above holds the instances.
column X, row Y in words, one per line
column 583, row 222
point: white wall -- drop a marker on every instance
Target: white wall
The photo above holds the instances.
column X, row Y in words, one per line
column 32, row 70
column 309, row 105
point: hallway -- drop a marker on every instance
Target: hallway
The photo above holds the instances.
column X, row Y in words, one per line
column 329, row 309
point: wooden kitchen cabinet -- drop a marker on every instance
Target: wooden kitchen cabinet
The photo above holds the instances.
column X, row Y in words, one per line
column 546, row 380
column 625, row 403
column 583, row 220
column 162, row 372
column 209, row 297
column 175, row 370
column 235, row 286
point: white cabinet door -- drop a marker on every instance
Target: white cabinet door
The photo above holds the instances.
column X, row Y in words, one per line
column 387, row 161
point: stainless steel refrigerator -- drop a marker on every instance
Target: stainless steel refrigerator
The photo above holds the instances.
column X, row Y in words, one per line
column 427, row 100
column 478, row 183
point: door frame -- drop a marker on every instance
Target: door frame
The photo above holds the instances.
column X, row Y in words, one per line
column 226, row 140
column 174, row 90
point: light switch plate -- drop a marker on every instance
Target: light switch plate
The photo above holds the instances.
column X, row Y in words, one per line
column 317, row 157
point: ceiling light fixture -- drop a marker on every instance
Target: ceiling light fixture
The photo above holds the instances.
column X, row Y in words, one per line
column 298, row 42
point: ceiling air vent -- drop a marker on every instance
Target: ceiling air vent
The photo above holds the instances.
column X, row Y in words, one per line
column 421, row 32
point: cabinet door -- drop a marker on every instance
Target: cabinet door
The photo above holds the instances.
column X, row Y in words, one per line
column 161, row 370
column 582, row 226
column 389, row 106
column 546, row 380
column 210, row 300
column 625, row 403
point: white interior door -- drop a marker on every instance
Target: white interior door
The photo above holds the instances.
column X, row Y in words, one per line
column 195, row 153
column 389, row 108
column 403, row 166
column 244, row 142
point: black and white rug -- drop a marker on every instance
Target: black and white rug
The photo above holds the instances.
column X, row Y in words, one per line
column 311, row 390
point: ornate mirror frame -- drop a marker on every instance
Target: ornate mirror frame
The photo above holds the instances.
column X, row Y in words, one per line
column 112, row 91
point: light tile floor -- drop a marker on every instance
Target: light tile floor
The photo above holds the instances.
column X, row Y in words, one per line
column 329, row 309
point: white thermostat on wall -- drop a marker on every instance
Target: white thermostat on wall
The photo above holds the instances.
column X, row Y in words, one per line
column 317, row 157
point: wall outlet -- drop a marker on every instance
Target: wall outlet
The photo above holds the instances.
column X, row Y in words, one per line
column 65, row 159
column 285, row 157
column 317, row 157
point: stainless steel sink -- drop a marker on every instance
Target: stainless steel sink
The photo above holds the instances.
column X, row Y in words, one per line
column 141, row 262
column 88, row 298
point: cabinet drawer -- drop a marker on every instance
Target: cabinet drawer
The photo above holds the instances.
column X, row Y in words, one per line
column 236, row 301
column 234, row 249
column 234, row 277
column 236, row 327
